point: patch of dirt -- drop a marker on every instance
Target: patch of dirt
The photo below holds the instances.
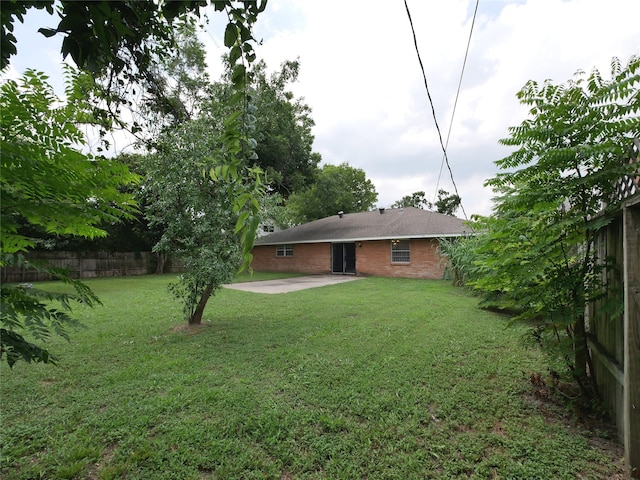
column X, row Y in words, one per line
column 559, row 402
column 463, row 429
column 498, row 428
column 93, row 471
column 191, row 329
column 432, row 408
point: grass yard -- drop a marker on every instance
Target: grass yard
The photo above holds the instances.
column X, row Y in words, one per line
column 374, row 379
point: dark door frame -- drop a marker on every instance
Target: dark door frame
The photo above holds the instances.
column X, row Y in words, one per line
column 343, row 258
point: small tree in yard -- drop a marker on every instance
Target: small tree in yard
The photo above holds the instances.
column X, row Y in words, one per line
column 196, row 212
column 48, row 184
column 555, row 192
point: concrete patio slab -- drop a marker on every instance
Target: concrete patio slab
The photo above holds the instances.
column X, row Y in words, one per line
column 291, row 284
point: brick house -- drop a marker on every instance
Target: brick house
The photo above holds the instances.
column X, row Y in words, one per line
column 400, row 242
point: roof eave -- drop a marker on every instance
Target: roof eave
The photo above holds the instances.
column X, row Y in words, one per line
column 365, row 239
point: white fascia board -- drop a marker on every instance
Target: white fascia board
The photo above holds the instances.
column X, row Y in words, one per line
column 365, row 239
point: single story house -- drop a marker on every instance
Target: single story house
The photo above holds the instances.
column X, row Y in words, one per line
column 398, row 242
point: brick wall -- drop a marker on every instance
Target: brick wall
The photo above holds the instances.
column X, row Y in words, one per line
column 372, row 258
column 313, row 258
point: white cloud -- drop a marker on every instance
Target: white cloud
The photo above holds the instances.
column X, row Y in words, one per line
column 361, row 77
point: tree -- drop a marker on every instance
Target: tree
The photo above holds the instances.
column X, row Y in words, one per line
column 201, row 192
column 114, row 41
column 118, row 41
column 283, row 131
column 416, row 199
column 122, row 37
column 336, row 188
column 447, row 203
column 196, row 212
column 48, row 184
column 555, row 192
column 98, row 35
column 124, row 234
column 178, row 89
column 273, row 210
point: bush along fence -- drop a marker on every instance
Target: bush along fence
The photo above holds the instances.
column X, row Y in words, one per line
column 91, row 265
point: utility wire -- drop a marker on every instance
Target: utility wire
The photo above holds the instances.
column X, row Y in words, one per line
column 433, row 111
column 455, row 103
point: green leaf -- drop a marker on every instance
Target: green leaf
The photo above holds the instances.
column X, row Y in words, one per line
column 47, row 32
column 242, row 218
column 239, row 74
column 234, row 54
column 230, row 35
column 232, row 118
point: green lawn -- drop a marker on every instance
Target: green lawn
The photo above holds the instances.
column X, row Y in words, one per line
column 376, row 379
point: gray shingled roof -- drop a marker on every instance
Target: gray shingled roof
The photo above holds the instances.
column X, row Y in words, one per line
column 396, row 223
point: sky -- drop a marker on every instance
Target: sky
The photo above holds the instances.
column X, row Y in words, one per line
column 361, row 77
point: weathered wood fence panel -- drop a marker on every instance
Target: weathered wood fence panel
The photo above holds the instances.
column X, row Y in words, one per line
column 614, row 336
column 606, row 328
column 90, row 265
column 632, row 337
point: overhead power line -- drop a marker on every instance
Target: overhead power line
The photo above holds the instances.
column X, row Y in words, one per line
column 433, row 111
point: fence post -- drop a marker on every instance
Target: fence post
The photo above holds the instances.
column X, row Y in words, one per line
column 632, row 337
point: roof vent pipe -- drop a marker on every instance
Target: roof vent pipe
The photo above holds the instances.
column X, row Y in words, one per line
column 340, row 213
column 381, row 210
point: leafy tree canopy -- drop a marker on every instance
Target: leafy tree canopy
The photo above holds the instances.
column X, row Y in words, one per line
column 178, row 88
column 283, row 131
column 46, row 180
column 274, row 212
column 555, row 191
column 49, row 185
column 119, row 36
column 446, row 203
column 195, row 211
column 416, row 199
column 199, row 190
column 336, row 188
column 119, row 41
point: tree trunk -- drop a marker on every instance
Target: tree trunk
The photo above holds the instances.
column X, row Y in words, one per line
column 162, row 258
column 581, row 354
column 196, row 318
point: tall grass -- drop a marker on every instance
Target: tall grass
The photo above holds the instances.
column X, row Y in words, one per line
column 461, row 256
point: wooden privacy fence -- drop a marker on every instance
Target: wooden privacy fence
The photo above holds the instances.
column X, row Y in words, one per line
column 91, row 265
column 614, row 338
